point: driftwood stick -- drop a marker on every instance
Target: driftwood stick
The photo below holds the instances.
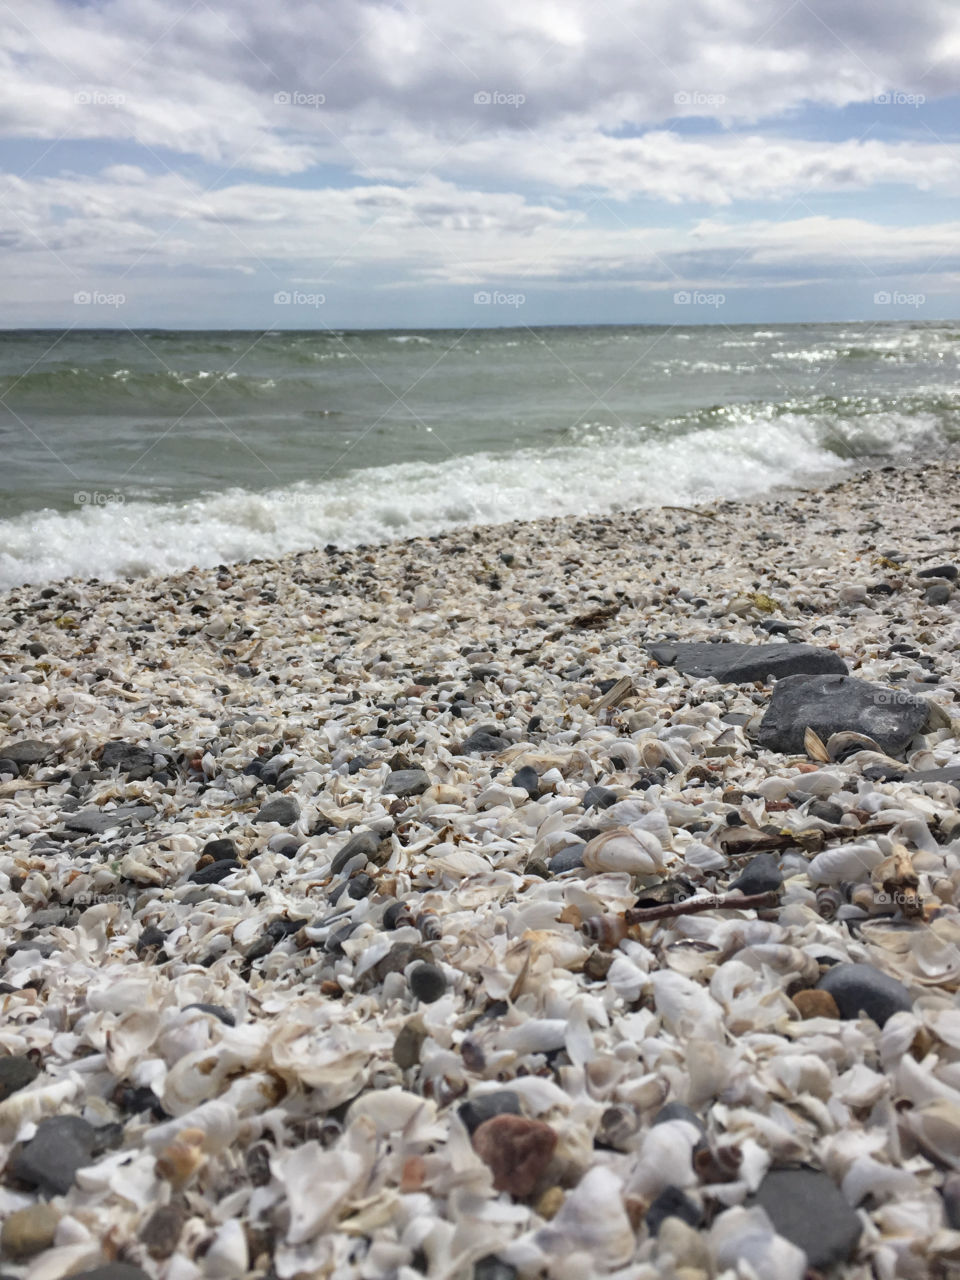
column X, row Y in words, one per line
column 715, row 902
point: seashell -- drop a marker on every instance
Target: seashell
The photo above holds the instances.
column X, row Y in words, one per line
column 592, row 1222
column 605, row 931
column 227, row 1255
column 846, row 862
column 813, row 745
column 692, row 957
column 182, row 1159
column 428, row 922
column 844, row 744
column 830, row 899
column 744, row 1239
column 718, row 1164
column 936, row 1128
column 622, row 850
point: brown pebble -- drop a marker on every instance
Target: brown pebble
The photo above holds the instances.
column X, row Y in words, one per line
column 409, row 1042
column 516, row 1151
column 550, row 1203
column 597, row 965
column 181, row 1160
column 816, row 1004
column 161, row 1231
column 29, row 1231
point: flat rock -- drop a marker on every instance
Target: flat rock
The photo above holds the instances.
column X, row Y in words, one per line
column 860, row 987
column 214, row 872
column 16, row 1071
column 829, row 704
column 95, row 822
column 406, row 782
column 28, row 751
column 762, row 874
column 806, row 1207
column 948, row 571
column 125, row 756
column 483, row 741
column 568, row 859
column 282, row 809
column 951, row 773
column 60, row 1146
column 732, row 663
column 365, row 842
column 599, row 798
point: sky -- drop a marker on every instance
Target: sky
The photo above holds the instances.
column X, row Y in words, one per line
column 175, row 163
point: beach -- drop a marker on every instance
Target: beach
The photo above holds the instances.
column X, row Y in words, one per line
column 317, row 877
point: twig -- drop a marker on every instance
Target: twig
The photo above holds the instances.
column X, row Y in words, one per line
column 715, row 902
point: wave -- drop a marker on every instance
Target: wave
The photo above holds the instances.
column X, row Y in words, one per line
column 728, row 452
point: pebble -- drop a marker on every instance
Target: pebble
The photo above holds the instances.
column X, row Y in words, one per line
column 761, row 874
column 97, row 821
column 516, row 1150
column 860, row 987
column 409, row 1042
column 161, row 1231
column 26, row 752
column 806, row 1207
column 365, row 842
column 427, row 983
column 599, row 798
column 215, row 1010
column 949, row 571
column 938, row 594
column 825, row 810
column 484, row 1106
column 814, row 1003
column 29, row 1231
column 671, row 1202
column 112, row 1271
column 282, row 809
column 16, row 1072
column 214, row 872
column 49, row 1161
column 493, row 1268
column 484, row 741
column 832, row 703
column 528, row 780
column 406, row 782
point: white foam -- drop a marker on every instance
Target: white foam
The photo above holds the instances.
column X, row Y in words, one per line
column 750, row 452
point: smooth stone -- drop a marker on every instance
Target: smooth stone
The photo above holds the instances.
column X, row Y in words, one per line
column 500, row 1102
column 406, row 782
column 599, row 798
column 860, row 987
column 939, row 593
column 672, row 1203
column 365, row 842
column 833, row 703
column 29, row 1231
column 125, row 756
column 762, row 874
column 427, row 982
column 733, row 663
column 214, row 872
column 484, row 740
column 161, row 1231
column 951, row 773
column 948, row 571
column 15, row 1073
column 568, row 859
column 409, row 1042
column 806, row 1207
column 95, row 822
column 28, row 751
column 528, row 779
column 9, row 767
column 282, row 809
column 825, row 811
column 516, row 1151
column 224, row 1015
column 219, row 850
column 493, row 1268
column 60, row 1146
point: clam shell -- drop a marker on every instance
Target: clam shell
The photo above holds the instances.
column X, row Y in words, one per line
column 623, row 850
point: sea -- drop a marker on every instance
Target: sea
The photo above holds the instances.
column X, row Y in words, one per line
column 125, row 452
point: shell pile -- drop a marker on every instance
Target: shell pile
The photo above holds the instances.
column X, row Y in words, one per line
column 313, row 888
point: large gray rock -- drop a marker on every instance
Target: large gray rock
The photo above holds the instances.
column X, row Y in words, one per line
column 365, row 842
column 29, row 751
column 732, row 663
column 806, row 1207
column 406, row 782
column 284, row 809
column 832, row 703
column 95, row 822
column 860, row 988
column 60, row 1146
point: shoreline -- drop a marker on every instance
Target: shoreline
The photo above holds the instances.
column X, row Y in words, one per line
column 429, row 722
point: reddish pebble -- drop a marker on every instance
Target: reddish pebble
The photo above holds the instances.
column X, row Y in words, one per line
column 516, row 1151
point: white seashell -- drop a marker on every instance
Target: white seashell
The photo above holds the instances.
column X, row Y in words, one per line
column 701, row 857
column 592, row 1218
column 623, row 850
column 746, row 1237
column 665, row 1159
column 850, row 863
column 390, row 1110
column 227, row 1256
column 32, row 1104
column 936, row 1128
column 685, row 1007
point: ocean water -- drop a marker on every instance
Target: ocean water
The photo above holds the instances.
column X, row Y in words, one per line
column 127, row 452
